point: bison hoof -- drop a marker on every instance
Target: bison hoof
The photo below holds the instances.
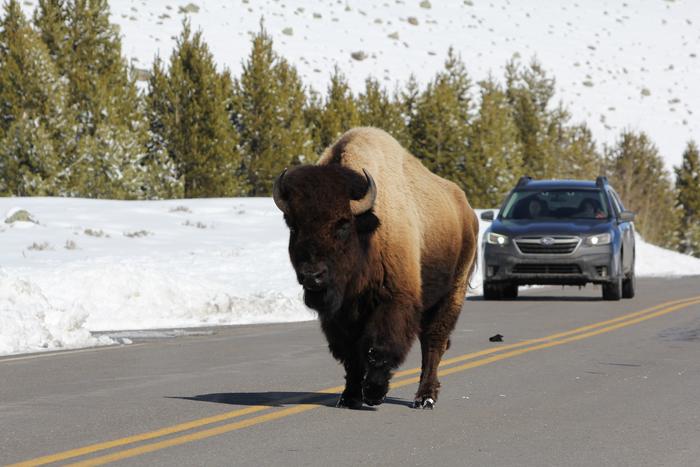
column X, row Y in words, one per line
column 349, row 402
column 370, row 401
column 424, row 403
column 374, row 394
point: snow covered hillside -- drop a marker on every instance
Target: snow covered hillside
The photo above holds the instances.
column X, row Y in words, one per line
column 618, row 64
column 76, row 266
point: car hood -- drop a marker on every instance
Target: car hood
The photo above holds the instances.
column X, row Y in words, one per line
column 520, row 228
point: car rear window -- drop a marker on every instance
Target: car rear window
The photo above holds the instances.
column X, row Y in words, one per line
column 556, row 204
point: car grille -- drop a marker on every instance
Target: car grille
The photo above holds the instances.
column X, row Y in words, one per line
column 559, row 245
column 546, row 269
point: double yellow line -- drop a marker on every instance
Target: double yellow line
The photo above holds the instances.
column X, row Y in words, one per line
column 402, row 378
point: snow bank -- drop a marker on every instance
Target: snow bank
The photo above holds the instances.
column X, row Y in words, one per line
column 90, row 265
column 29, row 321
column 654, row 261
column 103, row 265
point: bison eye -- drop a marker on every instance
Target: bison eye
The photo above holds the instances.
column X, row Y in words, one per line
column 342, row 229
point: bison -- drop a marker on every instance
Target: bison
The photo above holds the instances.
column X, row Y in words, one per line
column 384, row 250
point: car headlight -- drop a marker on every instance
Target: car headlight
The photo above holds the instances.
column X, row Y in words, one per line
column 601, row 239
column 496, row 239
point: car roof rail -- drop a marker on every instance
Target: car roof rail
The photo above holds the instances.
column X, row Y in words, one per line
column 601, row 181
column 524, row 180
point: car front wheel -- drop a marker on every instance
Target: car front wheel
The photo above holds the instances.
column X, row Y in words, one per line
column 510, row 291
column 612, row 290
column 492, row 291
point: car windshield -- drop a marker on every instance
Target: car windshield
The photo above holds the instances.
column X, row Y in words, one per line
column 556, row 204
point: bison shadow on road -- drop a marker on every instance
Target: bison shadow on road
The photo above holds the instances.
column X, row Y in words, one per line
column 279, row 399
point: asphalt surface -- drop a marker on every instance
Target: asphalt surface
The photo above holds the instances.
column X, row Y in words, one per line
column 623, row 391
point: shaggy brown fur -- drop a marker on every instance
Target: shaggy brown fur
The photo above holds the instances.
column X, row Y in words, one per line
column 381, row 278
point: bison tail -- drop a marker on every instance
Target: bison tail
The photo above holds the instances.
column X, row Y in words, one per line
column 473, row 268
column 475, row 261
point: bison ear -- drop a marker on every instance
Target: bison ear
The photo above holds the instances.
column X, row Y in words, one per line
column 366, row 223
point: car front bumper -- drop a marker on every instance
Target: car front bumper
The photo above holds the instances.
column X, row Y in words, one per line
column 587, row 264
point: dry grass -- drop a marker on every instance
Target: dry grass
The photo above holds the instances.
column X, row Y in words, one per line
column 95, row 233
column 138, row 234
column 43, row 246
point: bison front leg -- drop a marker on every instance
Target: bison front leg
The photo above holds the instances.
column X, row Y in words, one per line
column 376, row 382
column 352, row 395
column 393, row 330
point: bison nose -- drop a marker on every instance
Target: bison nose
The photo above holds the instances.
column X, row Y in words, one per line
column 314, row 278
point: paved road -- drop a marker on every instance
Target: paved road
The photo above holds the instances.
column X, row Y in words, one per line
column 577, row 381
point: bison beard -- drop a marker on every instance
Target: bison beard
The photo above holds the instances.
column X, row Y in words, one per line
column 325, row 299
column 357, row 250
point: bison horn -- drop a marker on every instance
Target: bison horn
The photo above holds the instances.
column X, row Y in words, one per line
column 277, row 193
column 364, row 204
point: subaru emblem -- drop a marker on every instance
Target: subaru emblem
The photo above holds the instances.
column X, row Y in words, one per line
column 547, row 241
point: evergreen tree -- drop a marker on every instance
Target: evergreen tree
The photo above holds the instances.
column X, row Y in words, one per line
column 529, row 92
column 108, row 149
column 50, row 18
column 27, row 160
column 199, row 135
column 377, row 109
column 578, row 157
column 637, row 172
column 163, row 179
column 35, row 130
column 439, row 127
column 494, row 161
column 269, row 102
column 100, row 88
column 108, row 164
column 12, row 33
column 409, row 99
column 312, row 120
column 552, row 147
column 339, row 112
column 688, row 200
column 553, row 142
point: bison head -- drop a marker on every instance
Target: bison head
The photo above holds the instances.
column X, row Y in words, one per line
column 328, row 210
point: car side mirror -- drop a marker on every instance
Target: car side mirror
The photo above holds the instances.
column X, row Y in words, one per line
column 627, row 216
column 487, row 216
